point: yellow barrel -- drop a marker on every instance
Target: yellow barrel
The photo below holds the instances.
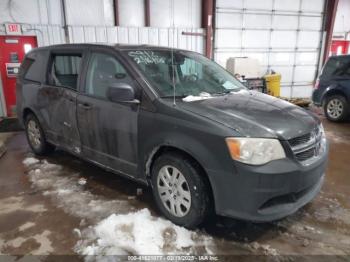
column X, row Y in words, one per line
column 273, row 83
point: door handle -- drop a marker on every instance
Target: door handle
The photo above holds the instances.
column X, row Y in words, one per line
column 85, row 106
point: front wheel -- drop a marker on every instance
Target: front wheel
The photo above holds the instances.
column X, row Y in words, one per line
column 336, row 108
column 180, row 191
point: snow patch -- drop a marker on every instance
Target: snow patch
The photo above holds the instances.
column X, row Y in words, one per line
column 25, row 226
column 82, row 181
column 201, row 96
column 64, row 188
column 30, row 161
column 265, row 249
column 137, row 233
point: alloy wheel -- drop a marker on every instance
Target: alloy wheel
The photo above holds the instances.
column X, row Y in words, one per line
column 34, row 135
column 335, row 108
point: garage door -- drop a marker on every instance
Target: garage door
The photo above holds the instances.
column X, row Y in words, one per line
column 284, row 35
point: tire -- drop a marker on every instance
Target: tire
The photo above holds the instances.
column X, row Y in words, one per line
column 190, row 190
column 36, row 137
column 336, row 108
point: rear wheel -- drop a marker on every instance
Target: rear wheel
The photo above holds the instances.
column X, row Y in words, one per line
column 336, row 108
column 179, row 190
column 36, row 137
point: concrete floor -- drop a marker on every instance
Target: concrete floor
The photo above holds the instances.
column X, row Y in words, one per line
column 35, row 219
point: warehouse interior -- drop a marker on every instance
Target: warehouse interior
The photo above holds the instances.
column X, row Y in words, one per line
column 59, row 204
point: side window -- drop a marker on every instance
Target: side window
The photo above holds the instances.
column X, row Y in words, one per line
column 64, row 70
column 103, row 70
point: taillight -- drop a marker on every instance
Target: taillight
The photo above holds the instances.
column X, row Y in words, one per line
column 317, row 84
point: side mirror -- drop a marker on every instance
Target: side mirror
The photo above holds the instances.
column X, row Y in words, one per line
column 121, row 93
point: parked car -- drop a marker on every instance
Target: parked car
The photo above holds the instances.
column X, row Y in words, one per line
column 178, row 122
column 332, row 89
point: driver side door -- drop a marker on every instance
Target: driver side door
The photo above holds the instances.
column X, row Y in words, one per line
column 108, row 130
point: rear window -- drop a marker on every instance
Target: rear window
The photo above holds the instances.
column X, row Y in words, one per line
column 336, row 68
column 64, row 70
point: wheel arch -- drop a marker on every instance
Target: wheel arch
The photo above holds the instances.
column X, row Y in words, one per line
column 158, row 151
column 26, row 111
column 332, row 92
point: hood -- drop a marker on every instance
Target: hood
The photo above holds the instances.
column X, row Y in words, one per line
column 254, row 114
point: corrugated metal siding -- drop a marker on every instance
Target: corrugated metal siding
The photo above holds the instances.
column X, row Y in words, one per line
column 138, row 35
column 54, row 34
column 46, row 34
column 284, row 35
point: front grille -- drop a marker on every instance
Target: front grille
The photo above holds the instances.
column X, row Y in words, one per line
column 307, row 146
column 299, row 140
column 305, row 155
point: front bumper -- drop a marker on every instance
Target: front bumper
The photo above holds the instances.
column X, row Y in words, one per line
column 268, row 192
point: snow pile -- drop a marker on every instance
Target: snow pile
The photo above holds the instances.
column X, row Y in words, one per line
column 137, row 233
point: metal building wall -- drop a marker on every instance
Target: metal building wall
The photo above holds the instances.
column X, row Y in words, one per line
column 284, row 35
column 90, row 12
column 342, row 20
column 139, row 35
column 31, row 11
column 46, row 34
column 54, row 34
column 131, row 13
column 187, row 13
column 91, row 21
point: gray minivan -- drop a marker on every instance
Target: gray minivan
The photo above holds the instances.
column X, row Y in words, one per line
column 178, row 122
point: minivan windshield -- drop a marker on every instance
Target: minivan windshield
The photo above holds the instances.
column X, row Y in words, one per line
column 190, row 73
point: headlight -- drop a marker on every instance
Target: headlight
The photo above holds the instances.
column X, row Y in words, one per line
column 255, row 151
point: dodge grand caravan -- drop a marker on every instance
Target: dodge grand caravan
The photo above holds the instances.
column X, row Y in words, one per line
column 178, row 122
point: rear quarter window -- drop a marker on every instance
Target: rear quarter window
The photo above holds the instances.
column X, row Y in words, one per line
column 33, row 67
column 26, row 64
column 336, row 68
